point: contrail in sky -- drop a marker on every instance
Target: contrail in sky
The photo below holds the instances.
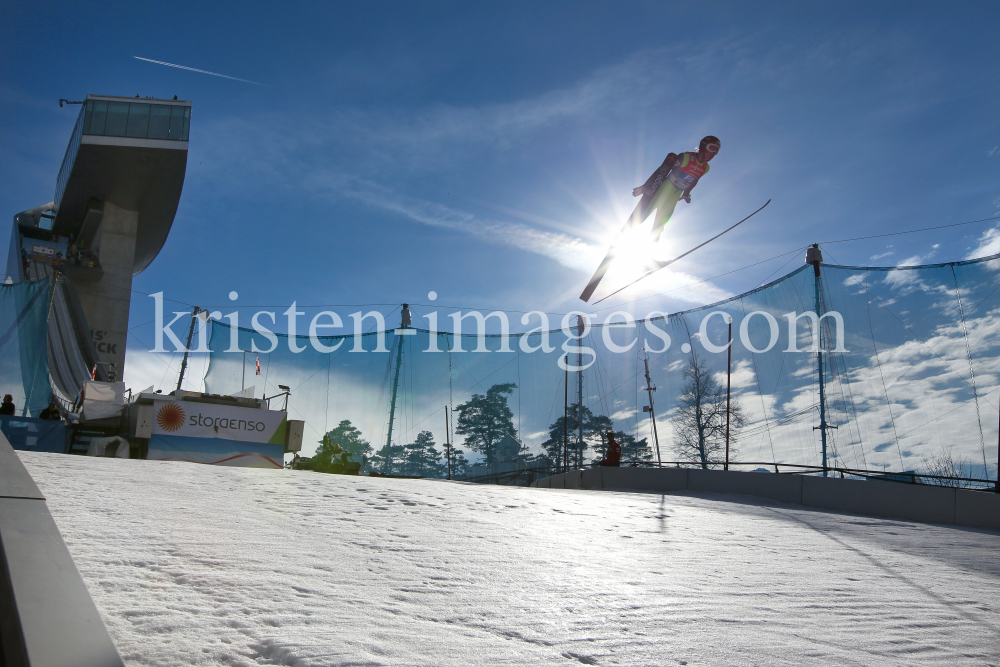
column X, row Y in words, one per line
column 202, row 71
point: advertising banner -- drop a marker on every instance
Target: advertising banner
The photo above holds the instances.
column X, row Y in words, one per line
column 226, row 422
column 35, row 435
column 42, row 250
column 215, row 451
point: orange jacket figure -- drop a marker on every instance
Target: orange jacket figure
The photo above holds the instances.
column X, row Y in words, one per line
column 613, row 456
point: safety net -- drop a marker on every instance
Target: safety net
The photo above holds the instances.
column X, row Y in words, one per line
column 24, row 366
column 904, row 375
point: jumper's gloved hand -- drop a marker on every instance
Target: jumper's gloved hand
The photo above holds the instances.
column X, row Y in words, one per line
column 686, row 197
column 637, row 192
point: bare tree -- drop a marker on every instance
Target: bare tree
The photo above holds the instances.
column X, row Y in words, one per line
column 943, row 464
column 700, row 418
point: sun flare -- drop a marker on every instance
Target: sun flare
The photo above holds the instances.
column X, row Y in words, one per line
column 636, row 253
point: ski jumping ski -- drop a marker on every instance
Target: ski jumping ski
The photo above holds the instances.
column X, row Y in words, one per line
column 637, row 214
column 663, row 265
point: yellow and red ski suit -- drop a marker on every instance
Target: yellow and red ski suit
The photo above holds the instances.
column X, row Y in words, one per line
column 676, row 176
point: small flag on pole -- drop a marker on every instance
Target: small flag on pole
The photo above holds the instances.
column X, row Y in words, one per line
column 258, row 365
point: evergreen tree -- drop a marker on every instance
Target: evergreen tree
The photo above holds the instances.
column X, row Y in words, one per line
column 390, row 460
column 350, row 440
column 633, row 450
column 595, row 428
column 422, row 459
column 483, row 420
column 460, row 467
column 595, row 434
column 700, row 418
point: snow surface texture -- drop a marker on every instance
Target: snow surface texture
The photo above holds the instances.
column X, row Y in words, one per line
column 202, row 565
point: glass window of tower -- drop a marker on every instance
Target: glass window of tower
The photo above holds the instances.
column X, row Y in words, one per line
column 140, row 120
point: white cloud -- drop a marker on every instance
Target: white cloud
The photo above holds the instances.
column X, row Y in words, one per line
column 989, row 244
column 910, row 280
column 569, row 251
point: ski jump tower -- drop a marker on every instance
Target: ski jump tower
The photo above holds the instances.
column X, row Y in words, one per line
column 115, row 200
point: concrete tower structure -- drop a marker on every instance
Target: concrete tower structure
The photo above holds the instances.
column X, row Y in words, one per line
column 115, row 200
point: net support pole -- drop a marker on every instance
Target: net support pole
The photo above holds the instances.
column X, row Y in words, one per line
column 729, row 384
column 579, row 394
column 565, row 456
column 395, row 386
column 652, row 414
column 814, row 257
column 187, row 348
column 447, row 439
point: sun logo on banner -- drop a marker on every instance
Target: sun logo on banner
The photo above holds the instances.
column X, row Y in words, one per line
column 170, row 417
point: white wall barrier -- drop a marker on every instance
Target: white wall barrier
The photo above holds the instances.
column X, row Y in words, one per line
column 916, row 502
column 47, row 617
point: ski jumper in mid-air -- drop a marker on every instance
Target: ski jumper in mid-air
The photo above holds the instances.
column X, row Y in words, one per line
column 672, row 181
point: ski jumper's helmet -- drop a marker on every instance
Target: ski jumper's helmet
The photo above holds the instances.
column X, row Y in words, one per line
column 710, row 143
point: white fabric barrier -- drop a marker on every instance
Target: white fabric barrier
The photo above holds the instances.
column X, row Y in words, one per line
column 103, row 399
column 101, row 446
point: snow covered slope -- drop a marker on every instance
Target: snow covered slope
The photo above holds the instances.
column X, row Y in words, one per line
column 200, row 565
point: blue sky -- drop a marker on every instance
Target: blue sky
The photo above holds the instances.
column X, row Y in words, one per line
column 488, row 152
